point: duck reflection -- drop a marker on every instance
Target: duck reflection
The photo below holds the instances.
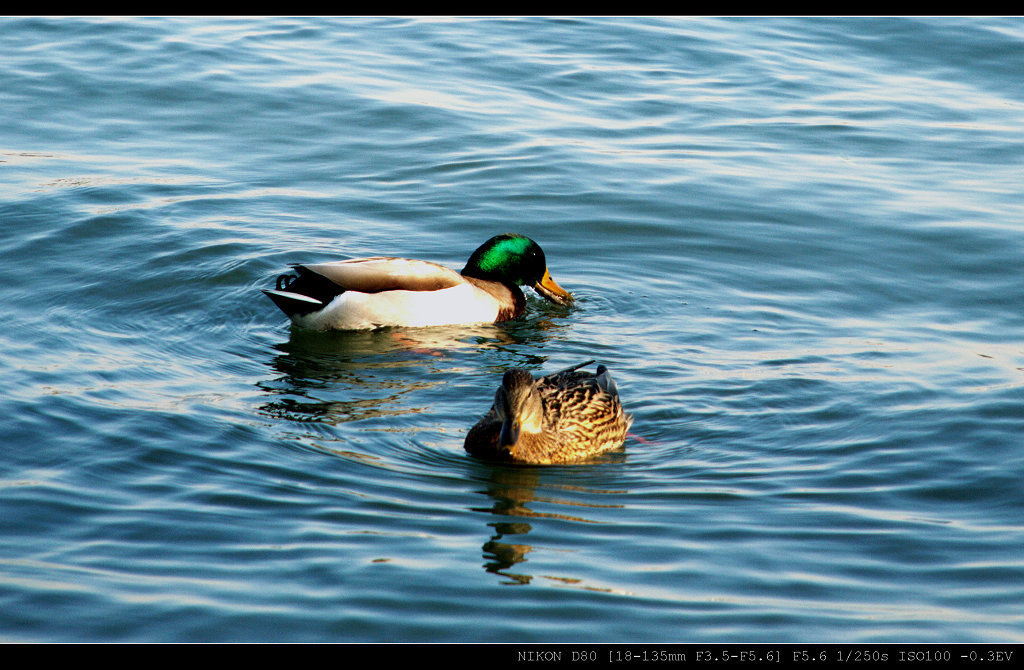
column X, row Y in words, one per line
column 512, row 489
column 335, row 377
column 339, row 376
column 329, row 378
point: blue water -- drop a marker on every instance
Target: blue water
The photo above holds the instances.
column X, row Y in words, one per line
column 798, row 243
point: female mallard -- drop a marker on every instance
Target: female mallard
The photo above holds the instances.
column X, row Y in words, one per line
column 382, row 291
column 562, row 417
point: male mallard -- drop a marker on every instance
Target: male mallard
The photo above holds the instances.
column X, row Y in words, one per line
column 562, row 417
column 382, row 291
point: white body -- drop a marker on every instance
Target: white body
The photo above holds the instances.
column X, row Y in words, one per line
column 352, row 310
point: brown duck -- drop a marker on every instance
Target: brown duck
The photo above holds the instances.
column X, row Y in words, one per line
column 563, row 417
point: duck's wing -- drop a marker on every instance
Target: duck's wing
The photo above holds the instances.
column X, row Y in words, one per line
column 572, row 390
column 605, row 381
column 383, row 273
column 567, row 377
column 315, row 285
column 585, row 409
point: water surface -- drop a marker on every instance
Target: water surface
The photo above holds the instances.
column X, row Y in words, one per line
column 797, row 243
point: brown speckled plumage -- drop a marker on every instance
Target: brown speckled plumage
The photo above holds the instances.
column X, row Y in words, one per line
column 563, row 417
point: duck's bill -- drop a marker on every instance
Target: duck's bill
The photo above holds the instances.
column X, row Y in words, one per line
column 509, row 434
column 552, row 291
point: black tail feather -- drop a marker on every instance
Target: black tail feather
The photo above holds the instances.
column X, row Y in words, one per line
column 303, row 292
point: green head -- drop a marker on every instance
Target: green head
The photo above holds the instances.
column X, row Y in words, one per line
column 515, row 260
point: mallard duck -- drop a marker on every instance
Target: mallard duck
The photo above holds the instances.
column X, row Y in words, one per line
column 376, row 292
column 559, row 418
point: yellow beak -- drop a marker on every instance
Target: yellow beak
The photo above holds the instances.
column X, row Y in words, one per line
column 547, row 288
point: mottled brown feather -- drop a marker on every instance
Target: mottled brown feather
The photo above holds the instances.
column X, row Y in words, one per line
column 581, row 416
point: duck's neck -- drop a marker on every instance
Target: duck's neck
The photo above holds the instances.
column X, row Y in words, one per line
column 510, row 298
